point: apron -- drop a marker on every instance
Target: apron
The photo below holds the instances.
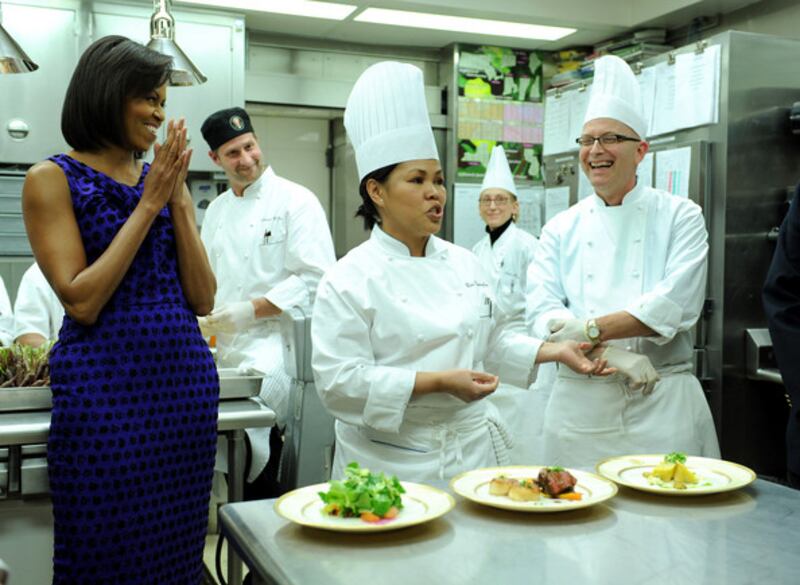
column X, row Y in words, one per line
column 432, row 443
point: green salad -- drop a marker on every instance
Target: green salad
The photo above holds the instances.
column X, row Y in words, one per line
column 372, row 496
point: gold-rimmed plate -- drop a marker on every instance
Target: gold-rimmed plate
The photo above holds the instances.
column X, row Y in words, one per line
column 713, row 475
column 421, row 503
column 474, row 485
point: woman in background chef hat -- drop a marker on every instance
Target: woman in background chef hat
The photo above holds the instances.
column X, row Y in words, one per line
column 505, row 253
column 404, row 325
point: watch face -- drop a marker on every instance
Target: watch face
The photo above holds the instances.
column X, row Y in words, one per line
column 594, row 331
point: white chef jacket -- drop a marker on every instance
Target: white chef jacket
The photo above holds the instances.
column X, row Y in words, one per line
column 381, row 316
column 646, row 256
column 6, row 316
column 272, row 242
column 37, row 308
column 506, row 263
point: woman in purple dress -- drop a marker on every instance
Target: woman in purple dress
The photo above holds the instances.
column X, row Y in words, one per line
column 135, row 391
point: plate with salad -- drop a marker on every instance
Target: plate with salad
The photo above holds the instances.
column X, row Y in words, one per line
column 676, row 474
column 364, row 501
column 525, row 488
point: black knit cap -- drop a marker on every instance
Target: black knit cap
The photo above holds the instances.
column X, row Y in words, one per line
column 225, row 125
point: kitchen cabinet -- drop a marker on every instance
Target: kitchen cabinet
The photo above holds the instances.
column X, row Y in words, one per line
column 30, row 104
column 214, row 43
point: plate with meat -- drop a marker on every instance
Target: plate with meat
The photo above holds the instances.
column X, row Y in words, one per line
column 527, row 488
column 676, row 474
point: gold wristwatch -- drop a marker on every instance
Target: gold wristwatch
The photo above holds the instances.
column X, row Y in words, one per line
column 592, row 331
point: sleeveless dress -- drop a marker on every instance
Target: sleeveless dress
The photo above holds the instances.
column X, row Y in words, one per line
column 133, row 432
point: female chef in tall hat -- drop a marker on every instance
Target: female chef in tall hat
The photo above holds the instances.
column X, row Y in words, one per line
column 505, row 253
column 404, row 325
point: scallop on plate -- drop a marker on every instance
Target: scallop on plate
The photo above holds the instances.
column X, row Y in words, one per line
column 713, row 475
column 475, row 486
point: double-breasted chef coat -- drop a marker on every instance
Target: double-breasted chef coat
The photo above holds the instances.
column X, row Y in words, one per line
column 37, row 308
column 646, row 256
column 381, row 316
column 506, row 264
column 272, row 242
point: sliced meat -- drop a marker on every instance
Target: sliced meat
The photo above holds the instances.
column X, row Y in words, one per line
column 556, row 481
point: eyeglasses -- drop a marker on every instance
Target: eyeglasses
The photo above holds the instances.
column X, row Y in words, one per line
column 500, row 200
column 605, row 139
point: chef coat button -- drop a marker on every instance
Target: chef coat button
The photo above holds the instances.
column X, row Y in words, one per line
column 391, row 259
column 590, row 276
column 403, row 300
column 247, row 256
column 591, row 311
column 590, row 243
column 636, row 274
column 637, row 241
column 470, row 333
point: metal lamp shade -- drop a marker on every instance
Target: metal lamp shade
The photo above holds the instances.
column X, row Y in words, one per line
column 12, row 58
column 183, row 70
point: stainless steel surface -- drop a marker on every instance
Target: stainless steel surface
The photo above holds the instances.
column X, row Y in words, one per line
column 308, row 436
column 236, row 455
column 761, row 363
column 233, row 385
column 742, row 537
column 744, row 164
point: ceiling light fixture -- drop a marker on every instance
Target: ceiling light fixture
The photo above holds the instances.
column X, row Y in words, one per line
column 162, row 39
column 310, row 8
column 12, row 58
column 479, row 26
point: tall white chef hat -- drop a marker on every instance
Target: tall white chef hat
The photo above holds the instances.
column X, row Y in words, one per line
column 498, row 174
column 386, row 117
column 616, row 94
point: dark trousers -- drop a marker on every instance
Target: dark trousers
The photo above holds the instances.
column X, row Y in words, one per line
column 266, row 484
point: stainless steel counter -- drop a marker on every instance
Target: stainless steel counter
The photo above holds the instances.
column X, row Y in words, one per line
column 26, row 428
column 748, row 536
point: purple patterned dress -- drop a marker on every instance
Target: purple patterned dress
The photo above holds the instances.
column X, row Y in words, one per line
column 134, row 422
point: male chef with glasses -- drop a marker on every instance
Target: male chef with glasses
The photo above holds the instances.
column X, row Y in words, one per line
column 624, row 269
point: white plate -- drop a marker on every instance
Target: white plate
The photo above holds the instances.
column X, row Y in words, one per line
column 713, row 475
column 474, row 485
column 421, row 503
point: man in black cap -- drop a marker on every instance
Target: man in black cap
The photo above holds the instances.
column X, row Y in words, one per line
column 269, row 244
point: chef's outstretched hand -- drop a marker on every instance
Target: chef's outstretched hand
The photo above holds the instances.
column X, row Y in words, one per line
column 573, row 355
column 230, row 318
column 468, row 385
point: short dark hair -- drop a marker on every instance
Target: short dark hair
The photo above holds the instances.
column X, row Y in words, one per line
column 112, row 70
column 367, row 209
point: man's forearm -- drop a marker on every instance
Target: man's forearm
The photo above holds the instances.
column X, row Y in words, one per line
column 264, row 308
column 621, row 325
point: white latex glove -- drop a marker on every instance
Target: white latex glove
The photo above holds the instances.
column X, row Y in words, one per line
column 568, row 330
column 206, row 329
column 232, row 317
column 636, row 367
